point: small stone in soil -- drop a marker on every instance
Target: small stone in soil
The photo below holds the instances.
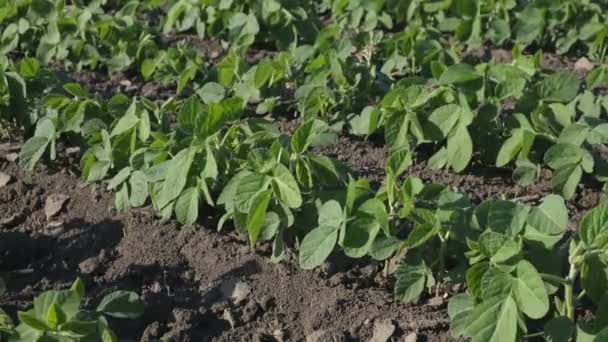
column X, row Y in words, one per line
column 235, row 289
column 11, row 157
column 4, row 179
column 412, row 337
column 583, row 64
column 383, row 330
column 54, row 204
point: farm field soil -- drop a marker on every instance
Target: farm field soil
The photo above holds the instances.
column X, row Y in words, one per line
column 201, row 285
column 187, row 276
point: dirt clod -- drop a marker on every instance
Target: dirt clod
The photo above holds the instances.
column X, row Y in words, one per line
column 383, row 330
column 4, row 179
column 54, row 203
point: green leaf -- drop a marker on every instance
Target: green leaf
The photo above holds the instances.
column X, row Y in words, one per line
column 78, row 288
column 460, row 148
column 551, row 217
column 458, row 73
column 316, row 246
column 494, row 320
column 441, row 121
column 459, row 308
column 594, row 225
column 121, row 199
column 594, row 276
column 256, row 215
column 261, row 160
column 32, row 151
column 560, row 156
column 501, row 216
column 474, row 276
column 217, row 115
column 331, row 214
column 121, row 304
column 559, row 329
column 411, row 280
column 530, row 292
column 263, row 73
column 29, row 68
column 498, row 247
column 139, row 189
column 211, row 92
column 422, row 233
column 55, row 316
column 119, row 178
column 559, row 87
column 190, row 111
column 76, row 90
column 177, row 177
column 285, row 187
column 247, row 188
column 127, row 121
column 510, row 148
column 359, row 236
column 186, row 206
column 32, row 321
column 566, row 179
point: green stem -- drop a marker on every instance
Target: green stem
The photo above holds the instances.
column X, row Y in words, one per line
column 569, row 291
column 538, row 334
column 554, row 279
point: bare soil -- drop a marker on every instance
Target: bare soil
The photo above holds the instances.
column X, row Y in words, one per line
column 201, row 285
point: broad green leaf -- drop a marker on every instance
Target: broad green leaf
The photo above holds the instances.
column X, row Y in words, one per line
column 263, row 73
column 474, row 276
column 559, row 87
column 559, row 329
column 594, row 225
column 76, row 90
column 256, row 215
column 29, row 68
column 384, row 247
column 422, row 233
column 375, row 208
column 285, row 187
column 441, row 121
column 316, row 246
column 498, row 247
column 186, row 206
column 566, row 179
column 551, row 217
column 560, row 156
column 189, row 114
column 261, row 160
column 530, row 292
column 331, row 214
column 360, row 235
column 127, row 121
column 121, row 304
column 411, row 280
column 211, row 92
column 246, row 189
column 459, row 308
column 139, row 189
column 119, row 178
column 594, row 277
column 510, row 148
column 501, row 216
column 459, row 148
column 217, row 115
column 458, row 73
column 177, row 177
column 494, row 320
column 32, row 151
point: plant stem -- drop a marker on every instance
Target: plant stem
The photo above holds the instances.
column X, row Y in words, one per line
column 569, row 291
column 537, row 334
column 554, row 279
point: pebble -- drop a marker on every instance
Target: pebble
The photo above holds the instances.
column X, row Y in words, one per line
column 383, row 330
column 54, row 204
column 4, row 179
column 235, row 289
column 412, row 337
